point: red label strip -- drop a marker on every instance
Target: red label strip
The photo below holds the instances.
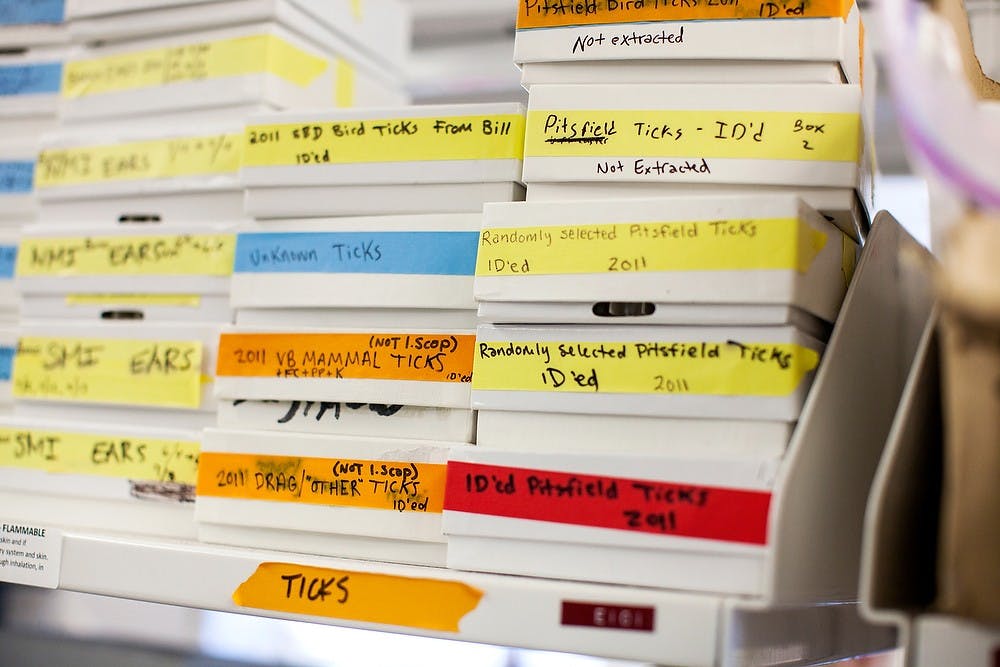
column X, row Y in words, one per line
column 662, row 508
column 611, row 616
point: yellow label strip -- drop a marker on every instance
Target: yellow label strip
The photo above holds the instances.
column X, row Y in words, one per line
column 561, row 13
column 478, row 137
column 684, row 133
column 653, row 367
column 400, row 486
column 156, row 373
column 103, row 455
column 175, row 300
column 139, row 160
column 719, row 245
column 385, row 599
column 162, row 255
column 192, row 62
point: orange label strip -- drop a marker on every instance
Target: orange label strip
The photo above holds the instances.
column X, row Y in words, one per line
column 377, row 356
column 403, row 486
column 365, row 597
column 563, row 13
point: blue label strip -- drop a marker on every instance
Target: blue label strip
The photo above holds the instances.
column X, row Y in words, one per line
column 30, row 79
column 8, row 260
column 6, row 363
column 401, row 253
column 28, row 12
column 17, row 177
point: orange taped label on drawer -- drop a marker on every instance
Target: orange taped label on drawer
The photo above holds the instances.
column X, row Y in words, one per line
column 375, row 356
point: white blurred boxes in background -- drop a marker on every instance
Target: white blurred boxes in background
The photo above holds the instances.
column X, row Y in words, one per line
column 226, row 70
column 778, row 42
column 30, row 87
column 379, row 29
column 24, row 24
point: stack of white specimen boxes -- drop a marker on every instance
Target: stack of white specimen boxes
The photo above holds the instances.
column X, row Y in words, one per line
column 33, row 36
column 125, row 278
column 461, row 52
column 653, row 316
column 267, row 55
column 346, row 380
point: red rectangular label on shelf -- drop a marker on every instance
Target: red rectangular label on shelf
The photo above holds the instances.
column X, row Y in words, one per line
column 598, row 501
column 611, row 616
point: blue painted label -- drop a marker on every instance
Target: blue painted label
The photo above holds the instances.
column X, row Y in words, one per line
column 28, row 12
column 400, row 253
column 6, row 363
column 36, row 79
column 17, row 177
column 8, row 260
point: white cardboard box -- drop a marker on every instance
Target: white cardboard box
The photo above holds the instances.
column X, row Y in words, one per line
column 113, row 475
column 697, row 372
column 419, row 261
column 32, row 23
column 460, row 143
column 841, row 206
column 301, row 164
column 257, row 63
column 638, row 313
column 172, row 308
column 319, row 493
column 370, row 200
column 696, row 525
column 153, row 368
column 30, row 83
column 679, row 71
column 676, row 437
column 9, row 301
column 375, row 420
column 139, row 270
column 801, row 135
column 18, row 203
column 128, row 260
column 420, row 367
column 335, row 319
column 668, row 37
column 676, row 252
column 92, row 413
column 8, row 346
column 175, row 172
column 379, row 29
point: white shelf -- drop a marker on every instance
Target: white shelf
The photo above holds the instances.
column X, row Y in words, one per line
column 690, row 630
column 946, row 640
column 900, row 561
